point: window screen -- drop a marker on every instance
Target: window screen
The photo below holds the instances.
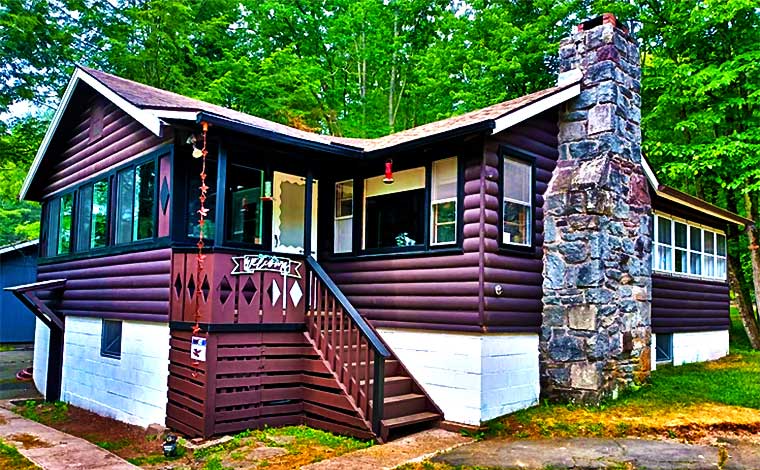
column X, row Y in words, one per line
column 110, row 340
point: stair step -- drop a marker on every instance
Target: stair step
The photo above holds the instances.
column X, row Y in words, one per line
column 415, row 418
column 403, row 405
column 395, row 385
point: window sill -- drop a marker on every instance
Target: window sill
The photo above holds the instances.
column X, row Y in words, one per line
column 143, row 245
column 393, row 253
column 691, row 277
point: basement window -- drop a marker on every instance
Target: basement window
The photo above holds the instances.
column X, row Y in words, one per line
column 110, row 340
column 664, row 347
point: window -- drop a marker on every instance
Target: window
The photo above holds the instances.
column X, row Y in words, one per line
column 110, row 339
column 135, row 203
column 684, row 248
column 695, row 251
column 84, row 218
column 64, row 224
column 52, row 214
column 344, row 217
column 663, row 347
column 92, row 216
column 394, row 213
column 443, row 202
column 193, row 204
column 664, row 244
column 518, row 208
column 245, row 219
column 99, row 230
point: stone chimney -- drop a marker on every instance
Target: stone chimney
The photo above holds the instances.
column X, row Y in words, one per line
column 596, row 330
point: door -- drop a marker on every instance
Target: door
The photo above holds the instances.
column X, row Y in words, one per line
column 288, row 214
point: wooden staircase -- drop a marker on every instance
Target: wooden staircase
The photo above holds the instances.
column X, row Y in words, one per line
column 386, row 396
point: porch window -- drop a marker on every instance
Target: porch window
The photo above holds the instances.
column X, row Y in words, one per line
column 394, row 213
column 135, row 203
column 64, row 224
column 245, row 219
column 92, row 216
column 193, row 183
column 689, row 249
column 344, row 216
column 695, row 251
column 681, row 247
column 444, row 202
column 518, row 206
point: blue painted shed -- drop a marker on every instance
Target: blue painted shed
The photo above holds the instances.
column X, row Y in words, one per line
column 18, row 265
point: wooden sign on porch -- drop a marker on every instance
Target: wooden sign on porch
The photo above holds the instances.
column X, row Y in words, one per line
column 249, row 264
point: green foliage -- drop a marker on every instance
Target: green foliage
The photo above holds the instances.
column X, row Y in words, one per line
column 44, row 412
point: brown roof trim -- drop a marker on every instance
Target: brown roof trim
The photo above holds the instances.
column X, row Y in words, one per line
column 703, row 206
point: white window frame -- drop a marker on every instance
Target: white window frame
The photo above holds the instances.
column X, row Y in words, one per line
column 433, row 202
column 336, row 218
column 703, row 230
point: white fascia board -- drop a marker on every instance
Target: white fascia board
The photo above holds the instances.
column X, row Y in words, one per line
column 650, row 174
column 533, row 109
column 717, row 215
column 18, row 246
column 146, row 118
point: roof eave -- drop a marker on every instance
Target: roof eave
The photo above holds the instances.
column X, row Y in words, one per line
column 535, row 108
column 255, row 131
column 146, row 118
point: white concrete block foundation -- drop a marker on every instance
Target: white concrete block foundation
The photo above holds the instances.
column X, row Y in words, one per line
column 132, row 388
column 41, row 349
column 699, row 346
column 471, row 377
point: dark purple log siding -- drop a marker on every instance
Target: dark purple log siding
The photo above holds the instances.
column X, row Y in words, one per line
column 130, row 286
column 682, row 304
column 78, row 156
column 519, row 307
column 431, row 292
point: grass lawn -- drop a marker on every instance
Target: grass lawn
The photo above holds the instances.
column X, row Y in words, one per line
column 10, row 458
column 684, row 402
column 274, row 448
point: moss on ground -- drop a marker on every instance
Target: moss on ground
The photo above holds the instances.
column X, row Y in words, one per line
column 11, row 458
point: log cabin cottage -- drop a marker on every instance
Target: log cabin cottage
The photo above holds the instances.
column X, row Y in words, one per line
column 455, row 271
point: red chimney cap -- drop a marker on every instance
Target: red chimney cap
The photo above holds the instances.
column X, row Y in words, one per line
column 606, row 18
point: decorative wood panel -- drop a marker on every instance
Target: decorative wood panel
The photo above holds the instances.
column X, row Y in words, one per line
column 129, row 286
column 259, row 379
column 225, row 298
column 683, row 304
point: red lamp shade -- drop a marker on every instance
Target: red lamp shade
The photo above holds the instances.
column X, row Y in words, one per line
column 388, row 172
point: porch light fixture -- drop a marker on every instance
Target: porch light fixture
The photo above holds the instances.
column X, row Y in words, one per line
column 388, row 172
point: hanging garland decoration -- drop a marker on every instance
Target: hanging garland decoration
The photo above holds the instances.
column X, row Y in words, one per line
column 202, row 214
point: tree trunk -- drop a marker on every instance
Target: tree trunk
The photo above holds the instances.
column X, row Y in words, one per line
column 750, row 202
column 739, row 286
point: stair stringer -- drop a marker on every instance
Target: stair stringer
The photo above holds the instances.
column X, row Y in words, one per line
column 348, row 419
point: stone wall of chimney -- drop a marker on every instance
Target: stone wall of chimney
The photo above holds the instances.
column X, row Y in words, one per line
column 597, row 253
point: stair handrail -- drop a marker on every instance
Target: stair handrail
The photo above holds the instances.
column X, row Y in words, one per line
column 380, row 350
column 378, row 346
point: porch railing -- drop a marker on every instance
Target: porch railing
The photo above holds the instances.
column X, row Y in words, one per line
column 347, row 342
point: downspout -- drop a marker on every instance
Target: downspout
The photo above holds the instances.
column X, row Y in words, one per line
column 482, row 240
